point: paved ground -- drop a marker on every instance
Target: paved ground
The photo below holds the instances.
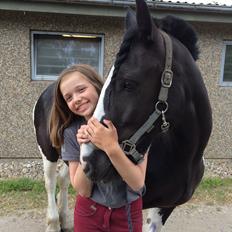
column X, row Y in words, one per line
column 187, row 218
column 200, row 218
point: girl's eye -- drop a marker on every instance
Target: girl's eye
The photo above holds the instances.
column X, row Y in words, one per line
column 68, row 99
column 81, row 90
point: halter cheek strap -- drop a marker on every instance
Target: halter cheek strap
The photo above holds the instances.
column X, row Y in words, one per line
column 161, row 107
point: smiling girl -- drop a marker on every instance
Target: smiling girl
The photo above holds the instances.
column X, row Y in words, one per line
column 115, row 206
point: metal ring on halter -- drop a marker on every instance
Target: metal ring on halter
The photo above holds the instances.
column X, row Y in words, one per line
column 164, row 103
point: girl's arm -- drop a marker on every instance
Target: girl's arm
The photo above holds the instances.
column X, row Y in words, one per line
column 79, row 180
column 106, row 139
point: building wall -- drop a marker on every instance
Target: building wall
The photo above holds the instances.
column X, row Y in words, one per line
column 211, row 37
column 18, row 93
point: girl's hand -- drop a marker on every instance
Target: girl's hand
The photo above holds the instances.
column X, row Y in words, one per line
column 103, row 137
column 82, row 135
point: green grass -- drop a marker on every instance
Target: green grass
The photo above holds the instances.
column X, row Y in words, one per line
column 21, row 185
column 214, row 191
column 24, row 193
column 25, row 185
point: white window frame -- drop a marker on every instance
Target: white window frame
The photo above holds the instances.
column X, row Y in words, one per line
column 222, row 82
column 35, row 77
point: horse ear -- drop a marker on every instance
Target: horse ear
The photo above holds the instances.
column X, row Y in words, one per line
column 144, row 19
column 130, row 19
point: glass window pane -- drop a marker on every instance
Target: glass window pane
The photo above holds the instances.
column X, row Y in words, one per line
column 228, row 64
column 53, row 53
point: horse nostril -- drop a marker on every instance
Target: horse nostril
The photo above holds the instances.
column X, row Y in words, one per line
column 88, row 172
column 86, row 168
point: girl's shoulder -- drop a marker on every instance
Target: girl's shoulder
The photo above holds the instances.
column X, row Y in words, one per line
column 74, row 126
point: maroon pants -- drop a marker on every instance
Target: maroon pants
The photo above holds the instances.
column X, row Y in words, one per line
column 90, row 216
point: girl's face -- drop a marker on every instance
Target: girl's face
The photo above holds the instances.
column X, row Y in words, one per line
column 79, row 94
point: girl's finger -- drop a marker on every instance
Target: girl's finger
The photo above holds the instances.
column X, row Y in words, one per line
column 90, row 131
column 83, row 141
column 108, row 123
column 93, row 126
column 94, row 122
column 82, row 136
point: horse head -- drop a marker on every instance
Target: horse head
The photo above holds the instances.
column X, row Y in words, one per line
column 135, row 89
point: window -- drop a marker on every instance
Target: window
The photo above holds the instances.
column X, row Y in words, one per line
column 53, row 52
column 226, row 69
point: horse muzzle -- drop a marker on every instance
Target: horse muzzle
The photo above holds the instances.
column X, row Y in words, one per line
column 98, row 167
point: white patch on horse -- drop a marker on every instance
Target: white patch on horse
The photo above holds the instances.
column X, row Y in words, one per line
column 53, row 222
column 152, row 220
column 85, row 151
column 57, row 213
column 33, row 114
column 87, row 148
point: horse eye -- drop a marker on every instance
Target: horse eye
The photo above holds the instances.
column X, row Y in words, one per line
column 128, row 85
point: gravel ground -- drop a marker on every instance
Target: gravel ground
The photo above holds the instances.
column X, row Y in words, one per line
column 34, row 168
column 200, row 218
column 186, row 218
column 218, row 168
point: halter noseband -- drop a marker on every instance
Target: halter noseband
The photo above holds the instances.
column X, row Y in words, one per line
column 161, row 107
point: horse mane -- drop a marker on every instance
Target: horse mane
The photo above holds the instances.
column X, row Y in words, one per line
column 182, row 31
column 124, row 49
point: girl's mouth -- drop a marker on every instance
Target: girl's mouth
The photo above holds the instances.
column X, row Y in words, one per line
column 82, row 107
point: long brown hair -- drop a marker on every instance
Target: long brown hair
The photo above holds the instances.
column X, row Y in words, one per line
column 61, row 116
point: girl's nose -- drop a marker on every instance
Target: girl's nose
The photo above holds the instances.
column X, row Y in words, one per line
column 77, row 100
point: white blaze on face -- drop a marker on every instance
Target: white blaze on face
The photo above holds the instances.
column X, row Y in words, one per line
column 87, row 148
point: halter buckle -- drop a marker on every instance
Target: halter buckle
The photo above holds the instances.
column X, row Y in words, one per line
column 166, row 78
column 129, row 149
column 127, row 146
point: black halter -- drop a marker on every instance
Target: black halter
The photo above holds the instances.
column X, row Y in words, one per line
column 161, row 107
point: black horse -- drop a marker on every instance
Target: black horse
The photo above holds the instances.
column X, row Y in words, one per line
column 156, row 98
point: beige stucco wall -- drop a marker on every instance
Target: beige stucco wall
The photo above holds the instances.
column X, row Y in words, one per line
column 18, row 93
column 211, row 39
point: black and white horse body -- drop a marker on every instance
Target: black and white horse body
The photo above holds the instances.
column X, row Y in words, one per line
column 55, row 171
